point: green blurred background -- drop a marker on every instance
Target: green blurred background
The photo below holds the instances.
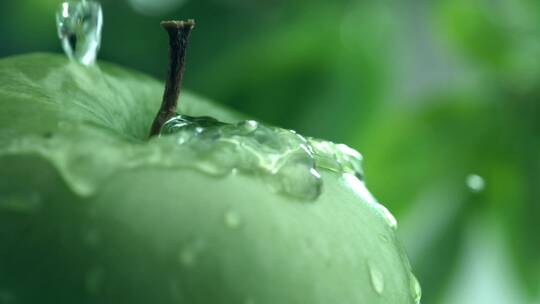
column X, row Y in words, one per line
column 441, row 97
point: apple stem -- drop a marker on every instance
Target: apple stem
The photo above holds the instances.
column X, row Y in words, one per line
column 178, row 40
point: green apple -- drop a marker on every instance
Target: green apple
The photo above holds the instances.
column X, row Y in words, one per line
column 91, row 211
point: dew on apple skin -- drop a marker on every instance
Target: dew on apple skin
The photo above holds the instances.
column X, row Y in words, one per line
column 246, row 148
column 282, row 158
column 376, row 278
column 336, row 157
column 387, row 215
column 358, row 186
column 416, row 290
column 79, row 25
column 285, row 160
column 250, row 125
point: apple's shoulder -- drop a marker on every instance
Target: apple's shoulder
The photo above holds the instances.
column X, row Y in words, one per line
column 38, row 92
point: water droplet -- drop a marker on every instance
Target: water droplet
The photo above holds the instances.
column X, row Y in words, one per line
column 387, row 215
column 416, row 290
column 281, row 157
column 79, row 25
column 475, row 183
column 286, row 161
column 250, row 125
column 384, row 238
column 377, row 279
column 336, row 157
column 94, row 280
column 232, row 219
column 358, row 186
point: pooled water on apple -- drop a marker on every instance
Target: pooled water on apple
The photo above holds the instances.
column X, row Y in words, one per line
column 282, row 158
column 79, row 25
column 285, row 160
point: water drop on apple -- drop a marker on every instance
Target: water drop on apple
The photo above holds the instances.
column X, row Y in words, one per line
column 376, row 277
column 416, row 290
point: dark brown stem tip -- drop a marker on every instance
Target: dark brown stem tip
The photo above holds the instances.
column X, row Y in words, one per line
column 179, row 32
column 174, row 24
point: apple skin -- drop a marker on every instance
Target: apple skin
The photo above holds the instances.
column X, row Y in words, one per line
column 152, row 234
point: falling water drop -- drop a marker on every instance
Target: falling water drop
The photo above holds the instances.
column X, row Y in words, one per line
column 475, row 182
column 376, row 278
column 79, row 26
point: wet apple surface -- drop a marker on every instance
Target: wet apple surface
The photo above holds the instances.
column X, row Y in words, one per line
column 91, row 211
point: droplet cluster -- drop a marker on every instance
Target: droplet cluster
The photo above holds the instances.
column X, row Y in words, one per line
column 284, row 159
